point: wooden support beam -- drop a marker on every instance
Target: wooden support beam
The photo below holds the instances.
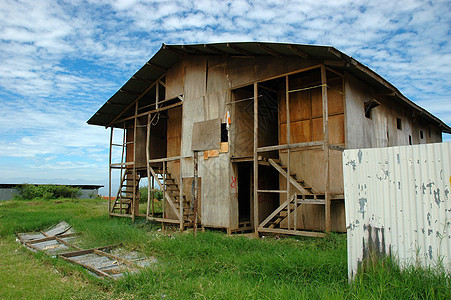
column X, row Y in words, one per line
column 274, row 213
column 194, row 50
column 240, row 50
column 285, row 174
column 149, row 175
column 288, row 139
column 49, row 238
column 268, row 50
column 290, row 146
column 256, row 217
column 292, row 232
column 97, row 271
column 134, row 101
column 142, row 79
column 272, row 191
column 214, row 49
column 326, row 146
column 298, row 52
column 155, row 66
column 129, row 92
column 175, row 50
column 110, row 170
column 151, row 111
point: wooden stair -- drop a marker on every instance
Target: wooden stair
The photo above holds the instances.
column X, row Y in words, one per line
column 306, row 195
column 171, row 193
column 124, row 199
column 298, row 183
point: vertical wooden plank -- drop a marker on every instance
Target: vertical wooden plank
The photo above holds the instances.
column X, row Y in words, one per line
column 149, row 176
column 326, row 145
column 134, row 164
column 182, row 223
column 164, row 190
column 157, row 94
column 288, row 137
column 256, row 221
column 109, row 168
column 196, row 184
column 153, row 190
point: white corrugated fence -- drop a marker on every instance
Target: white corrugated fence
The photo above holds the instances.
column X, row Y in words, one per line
column 397, row 202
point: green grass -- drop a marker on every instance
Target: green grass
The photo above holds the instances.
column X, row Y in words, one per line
column 210, row 266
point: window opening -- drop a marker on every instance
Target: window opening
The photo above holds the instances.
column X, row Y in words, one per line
column 398, row 123
column 224, row 133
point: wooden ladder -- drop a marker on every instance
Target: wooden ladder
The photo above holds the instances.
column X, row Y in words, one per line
column 128, row 190
column 171, row 193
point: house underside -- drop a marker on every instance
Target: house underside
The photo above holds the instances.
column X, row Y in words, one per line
column 249, row 136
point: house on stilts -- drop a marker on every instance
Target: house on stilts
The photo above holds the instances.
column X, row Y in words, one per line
column 249, row 136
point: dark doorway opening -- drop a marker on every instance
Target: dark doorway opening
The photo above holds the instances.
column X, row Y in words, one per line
column 245, row 190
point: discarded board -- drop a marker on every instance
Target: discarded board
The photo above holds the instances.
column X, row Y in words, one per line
column 104, row 262
column 56, row 239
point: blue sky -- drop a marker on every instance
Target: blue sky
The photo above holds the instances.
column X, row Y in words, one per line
column 61, row 60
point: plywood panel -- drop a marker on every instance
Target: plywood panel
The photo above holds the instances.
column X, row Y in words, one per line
column 336, row 129
column 193, row 111
column 217, row 75
column 318, row 134
column 300, row 106
column 335, row 102
column 300, row 131
column 215, row 105
column 317, row 104
column 174, row 131
column 195, row 77
column 175, row 80
column 216, row 191
column 206, row 135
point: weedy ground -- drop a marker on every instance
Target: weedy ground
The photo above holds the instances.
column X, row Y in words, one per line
column 210, row 266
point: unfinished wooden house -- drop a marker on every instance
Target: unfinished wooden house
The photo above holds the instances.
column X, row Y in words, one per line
column 249, row 136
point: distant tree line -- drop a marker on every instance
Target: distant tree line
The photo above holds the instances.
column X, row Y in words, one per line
column 47, row 191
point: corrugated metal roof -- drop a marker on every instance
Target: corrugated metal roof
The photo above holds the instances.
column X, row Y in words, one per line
column 397, row 202
column 168, row 55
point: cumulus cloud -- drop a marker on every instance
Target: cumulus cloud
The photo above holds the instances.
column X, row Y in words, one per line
column 61, row 60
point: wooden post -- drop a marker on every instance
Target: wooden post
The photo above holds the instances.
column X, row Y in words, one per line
column 288, row 137
column 326, row 146
column 149, row 176
column 182, row 223
column 256, row 219
column 109, row 168
column 134, row 206
column 195, row 196
column 164, row 190
column 157, row 94
column 153, row 190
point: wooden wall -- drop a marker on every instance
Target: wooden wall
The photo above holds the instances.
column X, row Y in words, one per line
column 381, row 130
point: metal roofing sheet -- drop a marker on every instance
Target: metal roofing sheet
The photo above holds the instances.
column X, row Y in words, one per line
column 168, row 55
column 397, row 202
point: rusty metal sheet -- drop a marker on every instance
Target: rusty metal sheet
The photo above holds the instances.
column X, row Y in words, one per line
column 397, row 203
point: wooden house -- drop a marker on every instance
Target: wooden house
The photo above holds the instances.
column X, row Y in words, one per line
column 249, row 136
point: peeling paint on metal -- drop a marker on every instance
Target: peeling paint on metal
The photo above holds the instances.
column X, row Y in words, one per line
column 397, row 202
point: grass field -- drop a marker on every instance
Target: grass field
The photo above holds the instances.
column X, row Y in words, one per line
column 210, row 266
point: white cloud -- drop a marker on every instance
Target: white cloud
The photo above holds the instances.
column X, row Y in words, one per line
column 61, row 60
